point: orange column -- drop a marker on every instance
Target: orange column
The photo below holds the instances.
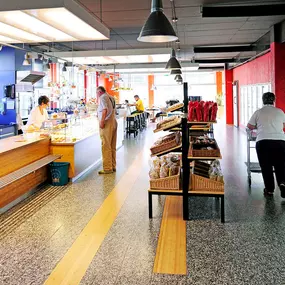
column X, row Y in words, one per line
column 150, row 91
column 219, row 82
column 103, row 81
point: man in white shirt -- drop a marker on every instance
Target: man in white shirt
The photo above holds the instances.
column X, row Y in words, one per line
column 270, row 143
column 108, row 130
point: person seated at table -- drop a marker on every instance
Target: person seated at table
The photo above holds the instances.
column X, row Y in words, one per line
column 162, row 110
column 139, row 105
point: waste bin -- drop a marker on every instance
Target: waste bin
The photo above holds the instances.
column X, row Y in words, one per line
column 59, row 173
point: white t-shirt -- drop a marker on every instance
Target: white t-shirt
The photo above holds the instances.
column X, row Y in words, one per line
column 269, row 122
column 36, row 118
column 105, row 102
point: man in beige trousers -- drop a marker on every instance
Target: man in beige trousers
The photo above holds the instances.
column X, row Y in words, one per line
column 108, row 130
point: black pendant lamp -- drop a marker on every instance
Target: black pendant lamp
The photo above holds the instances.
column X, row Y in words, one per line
column 157, row 28
column 178, row 78
column 64, row 69
column 173, row 63
column 176, row 72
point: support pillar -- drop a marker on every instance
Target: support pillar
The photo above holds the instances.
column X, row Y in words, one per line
column 229, row 97
column 150, row 91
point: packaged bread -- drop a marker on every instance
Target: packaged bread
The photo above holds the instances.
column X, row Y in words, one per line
column 173, row 170
column 154, row 173
column 164, row 171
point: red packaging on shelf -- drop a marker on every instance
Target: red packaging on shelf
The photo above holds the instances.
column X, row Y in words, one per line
column 199, row 109
column 191, row 114
column 191, row 111
column 214, row 112
column 206, row 117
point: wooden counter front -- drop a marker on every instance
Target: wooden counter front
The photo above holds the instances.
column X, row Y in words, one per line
column 15, row 155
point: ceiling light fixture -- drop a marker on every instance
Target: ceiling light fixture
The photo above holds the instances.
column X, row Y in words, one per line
column 27, row 60
column 49, row 21
column 174, row 19
column 178, row 77
column 49, row 63
column 157, row 28
column 175, row 72
column 64, row 69
column 173, row 63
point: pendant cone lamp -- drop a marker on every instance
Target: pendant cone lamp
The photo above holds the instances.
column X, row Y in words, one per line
column 157, row 28
column 27, row 60
column 64, row 67
column 173, row 63
column 178, row 78
column 175, row 72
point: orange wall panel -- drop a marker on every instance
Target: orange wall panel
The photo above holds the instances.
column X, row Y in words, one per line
column 150, row 92
column 219, row 82
column 103, row 81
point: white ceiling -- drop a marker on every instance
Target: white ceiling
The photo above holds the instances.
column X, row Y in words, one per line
column 125, row 19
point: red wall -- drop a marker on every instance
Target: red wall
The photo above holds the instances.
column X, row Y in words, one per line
column 278, row 81
column 256, row 71
column 259, row 70
column 229, row 97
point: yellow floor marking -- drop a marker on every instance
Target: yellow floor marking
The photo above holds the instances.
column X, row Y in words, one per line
column 171, row 249
column 73, row 266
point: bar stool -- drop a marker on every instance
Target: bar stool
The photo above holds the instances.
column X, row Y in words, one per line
column 139, row 116
column 144, row 119
column 132, row 125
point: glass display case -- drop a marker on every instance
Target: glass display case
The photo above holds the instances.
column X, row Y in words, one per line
column 73, row 129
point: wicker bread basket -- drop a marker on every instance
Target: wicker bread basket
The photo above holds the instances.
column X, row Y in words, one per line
column 204, row 152
column 163, row 147
column 199, row 183
column 167, row 183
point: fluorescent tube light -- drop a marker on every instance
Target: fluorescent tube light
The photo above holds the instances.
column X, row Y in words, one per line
column 49, row 20
column 4, row 39
column 20, row 35
column 22, row 20
column 62, row 19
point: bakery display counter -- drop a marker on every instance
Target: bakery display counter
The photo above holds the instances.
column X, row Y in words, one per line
column 80, row 144
column 24, row 159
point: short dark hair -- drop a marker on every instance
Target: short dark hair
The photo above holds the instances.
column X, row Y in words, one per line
column 43, row 100
column 137, row 96
column 268, row 98
column 102, row 89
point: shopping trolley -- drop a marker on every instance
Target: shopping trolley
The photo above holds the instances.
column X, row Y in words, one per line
column 251, row 166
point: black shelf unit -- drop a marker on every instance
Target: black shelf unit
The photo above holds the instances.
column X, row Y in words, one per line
column 185, row 170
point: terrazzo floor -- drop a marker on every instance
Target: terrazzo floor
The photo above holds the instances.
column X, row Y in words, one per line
column 247, row 249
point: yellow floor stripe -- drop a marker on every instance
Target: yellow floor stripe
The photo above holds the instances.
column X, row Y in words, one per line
column 73, row 266
column 171, row 250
